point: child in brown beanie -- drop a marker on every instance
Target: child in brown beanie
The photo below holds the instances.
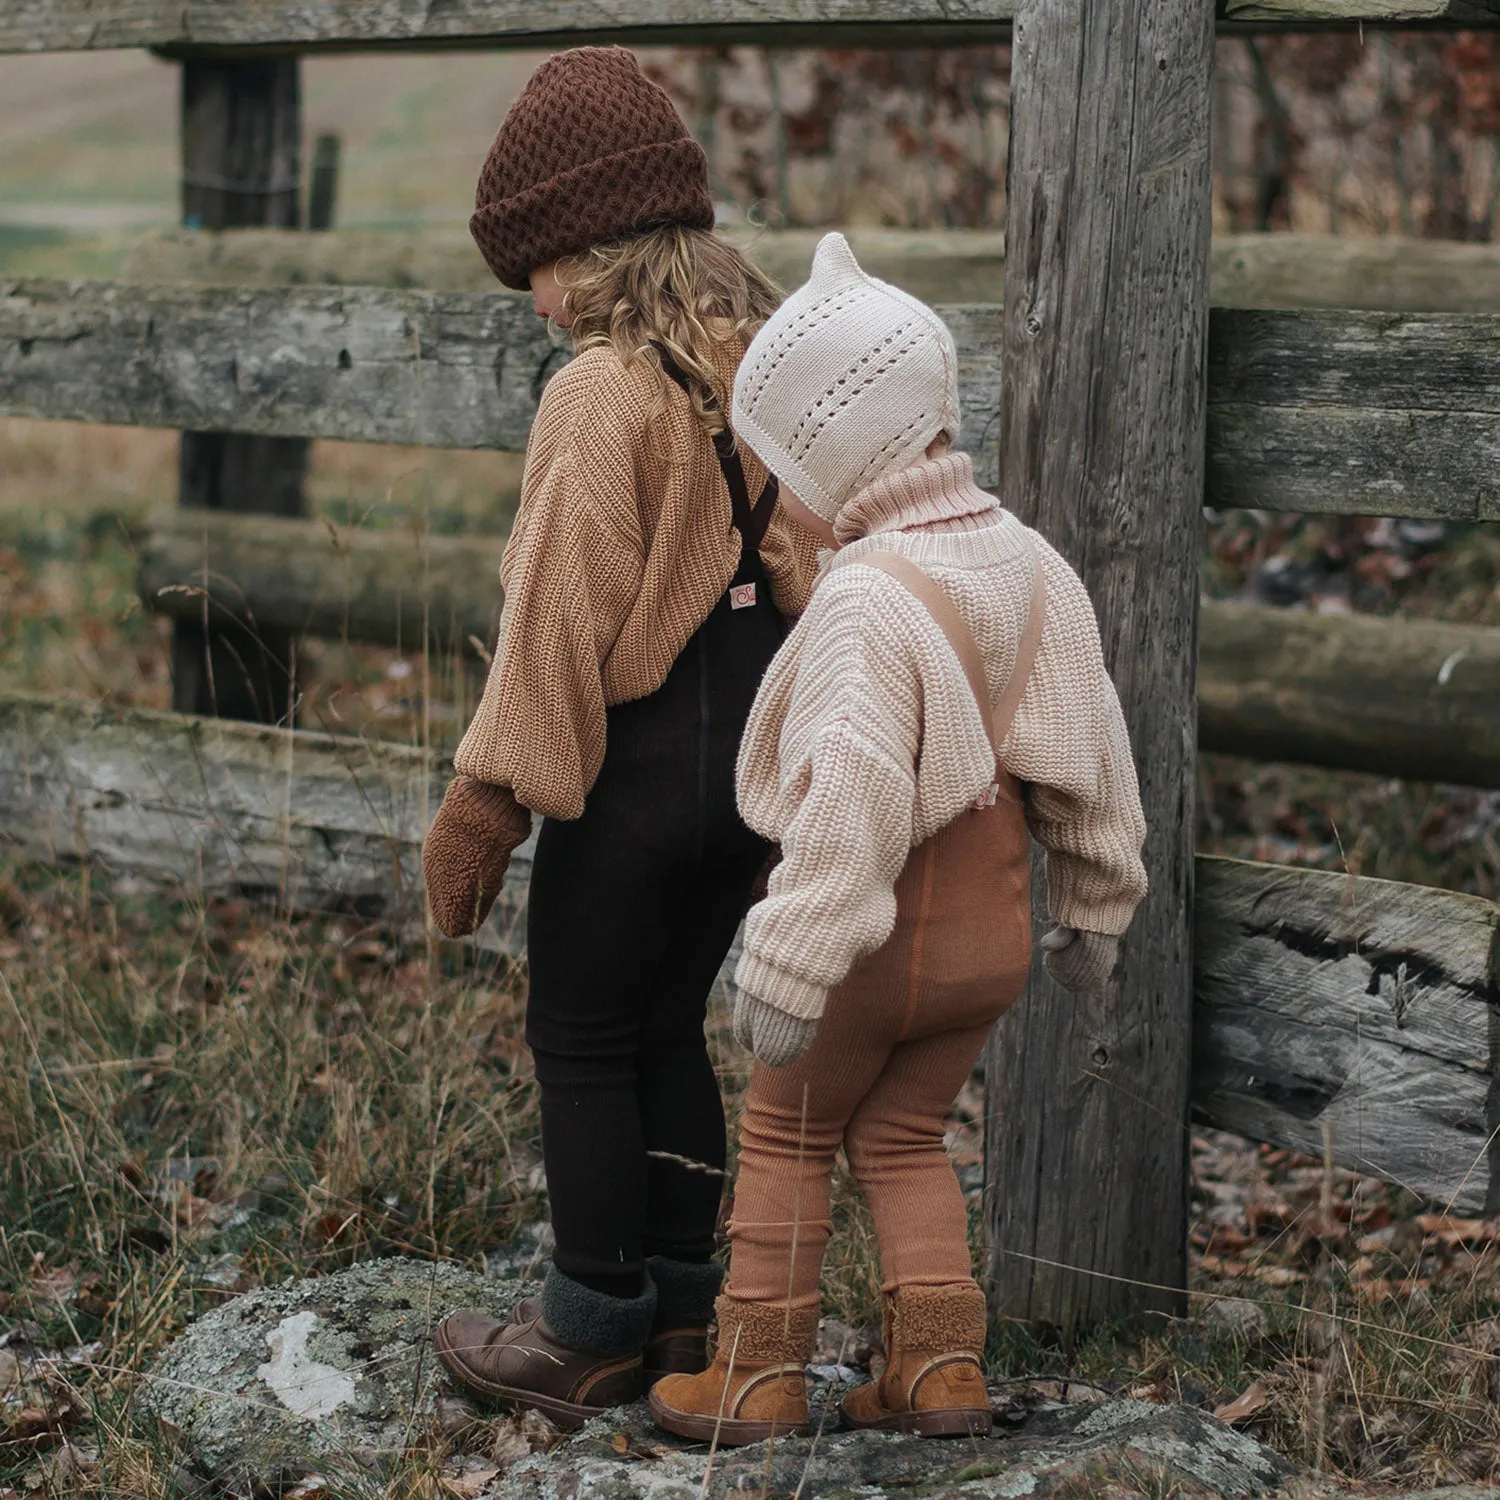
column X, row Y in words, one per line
column 647, row 583
column 943, row 701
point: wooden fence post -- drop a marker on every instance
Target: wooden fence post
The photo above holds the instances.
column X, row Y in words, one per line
column 241, row 165
column 1102, row 449
column 323, row 186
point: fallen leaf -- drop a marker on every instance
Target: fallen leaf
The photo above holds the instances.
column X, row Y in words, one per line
column 1451, row 1231
column 1246, row 1404
column 1230, row 1270
column 620, row 1443
column 473, row 1482
column 1279, row 1275
column 510, row 1446
column 54, row 1286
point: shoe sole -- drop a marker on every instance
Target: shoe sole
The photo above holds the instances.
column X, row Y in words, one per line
column 924, row 1423
column 568, row 1415
column 731, row 1432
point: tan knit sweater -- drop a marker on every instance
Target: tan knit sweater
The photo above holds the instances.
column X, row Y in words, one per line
column 830, row 765
column 623, row 543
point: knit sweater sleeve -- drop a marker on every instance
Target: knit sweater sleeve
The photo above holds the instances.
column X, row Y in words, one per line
column 570, row 570
column 827, row 766
column 1083, row 803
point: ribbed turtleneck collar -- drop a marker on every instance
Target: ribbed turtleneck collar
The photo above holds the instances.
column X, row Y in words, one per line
column 929, row 493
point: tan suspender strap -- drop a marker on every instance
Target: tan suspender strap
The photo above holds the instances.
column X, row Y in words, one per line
column 961, row 638
column 1031, row 641
column 931, row 597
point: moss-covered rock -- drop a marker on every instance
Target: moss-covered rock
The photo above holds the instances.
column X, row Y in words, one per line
column 334, row 1371
column 315, row 1371
column 1117, row 1449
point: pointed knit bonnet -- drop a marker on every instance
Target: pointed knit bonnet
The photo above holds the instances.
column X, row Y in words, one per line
column 849, row 381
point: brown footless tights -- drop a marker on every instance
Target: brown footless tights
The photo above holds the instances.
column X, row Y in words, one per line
column 896, row 1044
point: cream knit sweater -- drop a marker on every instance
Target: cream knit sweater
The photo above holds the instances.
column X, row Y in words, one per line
column 830, row 765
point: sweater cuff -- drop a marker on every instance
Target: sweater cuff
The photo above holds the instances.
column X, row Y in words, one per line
column 1108, row 917
column 781, row 988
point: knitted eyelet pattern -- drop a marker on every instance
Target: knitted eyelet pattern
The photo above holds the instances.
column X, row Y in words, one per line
column 850, row 380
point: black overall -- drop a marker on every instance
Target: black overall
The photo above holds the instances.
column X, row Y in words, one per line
column 632, row 909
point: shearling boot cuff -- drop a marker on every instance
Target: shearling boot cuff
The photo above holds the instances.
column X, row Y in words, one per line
column 945, row 1319
column 594, row 1322
column 685, row 1291
column 763, row 1333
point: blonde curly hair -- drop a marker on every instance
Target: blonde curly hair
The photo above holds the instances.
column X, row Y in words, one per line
column 667, row 286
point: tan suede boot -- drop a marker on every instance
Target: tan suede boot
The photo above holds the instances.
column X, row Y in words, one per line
column 753, row 1388
column 933, row 1383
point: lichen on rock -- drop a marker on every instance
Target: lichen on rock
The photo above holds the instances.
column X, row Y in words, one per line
column 317, row 1370
column 335, row 1371
column 1055, row 1451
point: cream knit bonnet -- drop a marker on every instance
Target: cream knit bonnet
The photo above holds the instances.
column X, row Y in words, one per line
column 850, row 380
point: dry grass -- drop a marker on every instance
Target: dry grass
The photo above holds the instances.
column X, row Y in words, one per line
column 196, row 1100
column 1354, row 1333
column 193, row 1101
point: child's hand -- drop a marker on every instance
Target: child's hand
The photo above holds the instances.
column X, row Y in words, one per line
column 467, row 850
column 773, row 1037
column 1079, row 961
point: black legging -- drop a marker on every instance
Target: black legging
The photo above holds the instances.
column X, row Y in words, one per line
column 632, row 909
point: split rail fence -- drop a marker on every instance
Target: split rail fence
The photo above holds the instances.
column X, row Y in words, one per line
column 1102, row 396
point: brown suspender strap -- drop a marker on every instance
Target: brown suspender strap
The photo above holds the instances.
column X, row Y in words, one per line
column 927, row 593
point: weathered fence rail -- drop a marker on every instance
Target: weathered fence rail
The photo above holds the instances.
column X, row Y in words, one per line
column 1398, row 697
column 1411, row 698
column 1361, row 1004
column 268, row 27
column 1364, row 1008
column 1337, row 412
column 1372, row 413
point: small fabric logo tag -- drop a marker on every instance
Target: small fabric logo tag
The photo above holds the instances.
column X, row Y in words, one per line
column 742, row 596
column 988, row 797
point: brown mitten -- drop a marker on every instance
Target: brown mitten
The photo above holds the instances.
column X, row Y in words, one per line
column 466, row 851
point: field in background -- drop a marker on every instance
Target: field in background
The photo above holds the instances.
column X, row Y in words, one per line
column 90, row 140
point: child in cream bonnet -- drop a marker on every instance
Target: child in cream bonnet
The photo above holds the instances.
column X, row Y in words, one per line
column 942, row 701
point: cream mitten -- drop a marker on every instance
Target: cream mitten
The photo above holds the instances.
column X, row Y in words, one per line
column 772, row 1036
column 1079, row 961
column 466, row 851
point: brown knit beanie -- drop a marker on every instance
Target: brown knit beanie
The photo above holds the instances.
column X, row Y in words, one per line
column 591, row 151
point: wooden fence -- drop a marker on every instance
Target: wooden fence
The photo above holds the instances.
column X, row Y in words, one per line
column 1401, row 698
column 1360, row 1005
column 1104, row 400
column 234, row 28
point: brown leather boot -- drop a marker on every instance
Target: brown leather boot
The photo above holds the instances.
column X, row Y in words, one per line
column 674, row 1351
column 685, row 1293
column 933, row 1383
column 754, row 1388
column 524, row 1363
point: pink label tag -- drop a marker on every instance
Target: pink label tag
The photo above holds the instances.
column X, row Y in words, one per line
column 742, row 596
column 988, row 797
